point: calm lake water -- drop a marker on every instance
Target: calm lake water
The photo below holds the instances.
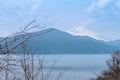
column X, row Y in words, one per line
column 73, row 66
column 77, row 66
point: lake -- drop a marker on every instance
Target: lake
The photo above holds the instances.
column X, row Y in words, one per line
column 77, row 66
column 71, row 66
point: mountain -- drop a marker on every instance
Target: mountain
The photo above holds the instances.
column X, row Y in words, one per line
column 53, row 41
column 115, row 43
column 1, row 38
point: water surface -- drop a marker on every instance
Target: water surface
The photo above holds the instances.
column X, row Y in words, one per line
column 77, row 66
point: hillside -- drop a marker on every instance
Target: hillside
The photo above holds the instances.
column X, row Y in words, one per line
column 115, row 43
column 55, row 41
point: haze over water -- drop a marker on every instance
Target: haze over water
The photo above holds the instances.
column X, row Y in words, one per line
column 77, row 66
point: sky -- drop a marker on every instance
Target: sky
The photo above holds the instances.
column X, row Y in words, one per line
column 99, row 19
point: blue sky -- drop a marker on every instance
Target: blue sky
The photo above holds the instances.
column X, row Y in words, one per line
column 99, row 19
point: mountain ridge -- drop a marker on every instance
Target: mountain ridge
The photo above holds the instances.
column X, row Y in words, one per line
column 115, row 43
column 54, row 41
column 57, row 41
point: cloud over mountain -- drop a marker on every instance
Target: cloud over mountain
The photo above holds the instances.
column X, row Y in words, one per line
column 83, row 31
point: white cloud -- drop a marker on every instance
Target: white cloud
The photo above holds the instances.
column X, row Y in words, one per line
column 20, row 8
column 83, row 31
column 91, row 7
column 97, row 3
column 36, row 6
column 102, row 3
